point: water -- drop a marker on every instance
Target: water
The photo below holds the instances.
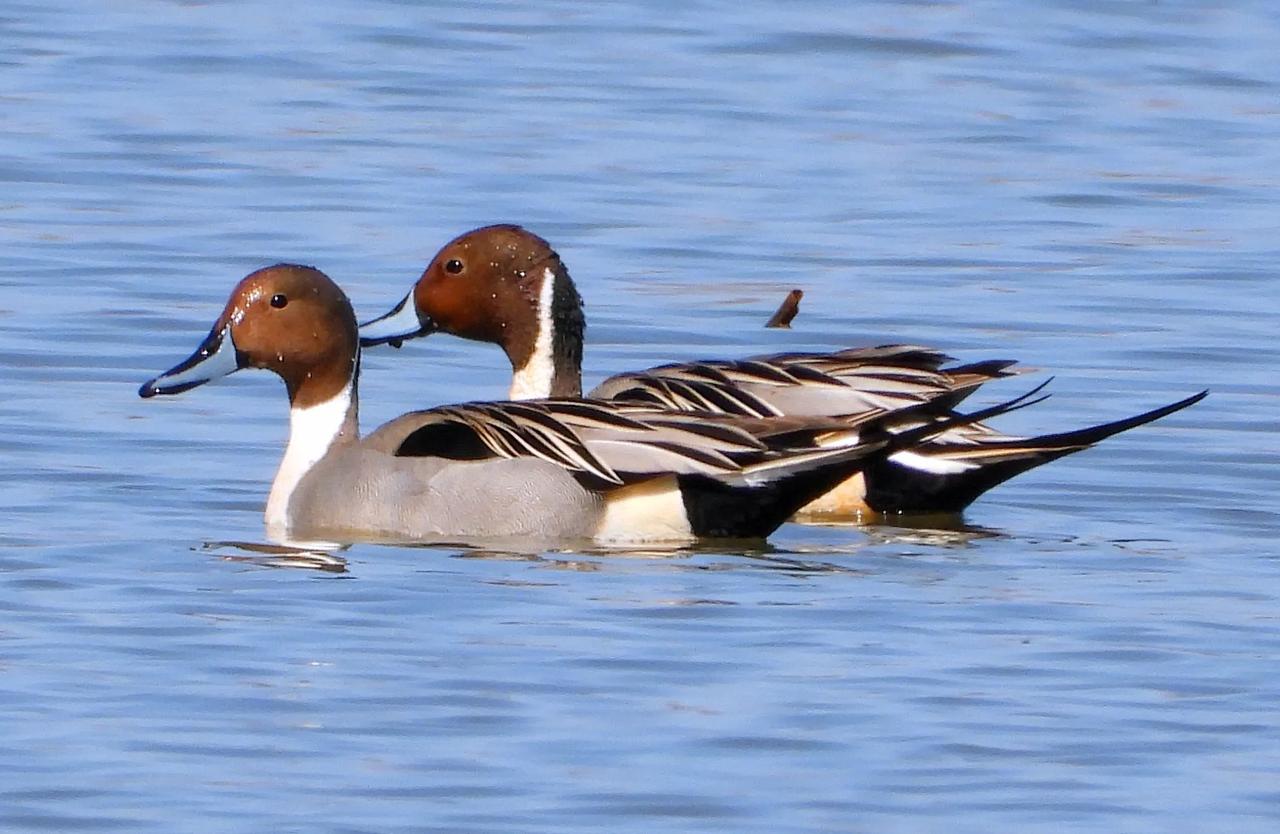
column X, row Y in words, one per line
column 1087, row 187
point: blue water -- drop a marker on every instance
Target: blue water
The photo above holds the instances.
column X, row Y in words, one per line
column 1087, row 187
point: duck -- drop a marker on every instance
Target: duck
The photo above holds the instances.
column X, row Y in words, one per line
column 609, row 471
column 506, row 285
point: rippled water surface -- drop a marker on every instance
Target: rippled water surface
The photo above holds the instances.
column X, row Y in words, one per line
column 1088, row 187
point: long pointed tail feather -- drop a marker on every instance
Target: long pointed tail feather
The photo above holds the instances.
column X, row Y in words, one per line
column 766, row 495
column 948, row 479
column 1094, row 434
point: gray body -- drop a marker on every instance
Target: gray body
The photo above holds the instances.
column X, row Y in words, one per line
column 363, row 488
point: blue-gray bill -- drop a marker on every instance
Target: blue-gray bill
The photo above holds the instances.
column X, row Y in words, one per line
column 395, row 327
column 216, row 357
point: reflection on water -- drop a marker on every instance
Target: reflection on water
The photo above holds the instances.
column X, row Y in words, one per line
column 278, row 555
column 1083, row 187
column 711, row 555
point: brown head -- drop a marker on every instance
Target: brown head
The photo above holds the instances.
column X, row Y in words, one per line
column 288, row 319
column 499, row 284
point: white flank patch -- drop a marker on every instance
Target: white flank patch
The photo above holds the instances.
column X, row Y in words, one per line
column 932, row 465
column 311, row 433
column 651, row 511
column 533, row 381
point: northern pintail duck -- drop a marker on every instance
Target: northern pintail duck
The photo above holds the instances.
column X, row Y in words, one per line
column 505, row 285
column 551, row 469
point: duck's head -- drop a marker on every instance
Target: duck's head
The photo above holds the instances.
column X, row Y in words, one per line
column 291, row 320
column 500, row 284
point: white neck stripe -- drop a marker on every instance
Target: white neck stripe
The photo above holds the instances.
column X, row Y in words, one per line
column 533, row 380
column 311, row 432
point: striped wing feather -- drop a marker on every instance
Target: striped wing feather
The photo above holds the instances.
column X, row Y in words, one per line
column 847, row 382
column 604, row 440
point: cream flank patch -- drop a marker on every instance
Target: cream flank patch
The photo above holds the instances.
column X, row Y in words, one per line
column 651, row 511
column 311, row 433
column 532, row 381
column 935, row 465
column 845, row 502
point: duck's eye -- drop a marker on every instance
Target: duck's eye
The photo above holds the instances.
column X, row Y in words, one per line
column 453, row 266
column 279, row 300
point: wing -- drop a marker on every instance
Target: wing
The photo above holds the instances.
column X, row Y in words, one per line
column 853, row 381
column 610, row 444
column 606, row 443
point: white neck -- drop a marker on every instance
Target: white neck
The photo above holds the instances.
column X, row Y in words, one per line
column 311, row 432
column 533, row 380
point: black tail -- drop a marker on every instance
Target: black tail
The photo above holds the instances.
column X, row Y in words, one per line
column 895, row 487
column 716, row 508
